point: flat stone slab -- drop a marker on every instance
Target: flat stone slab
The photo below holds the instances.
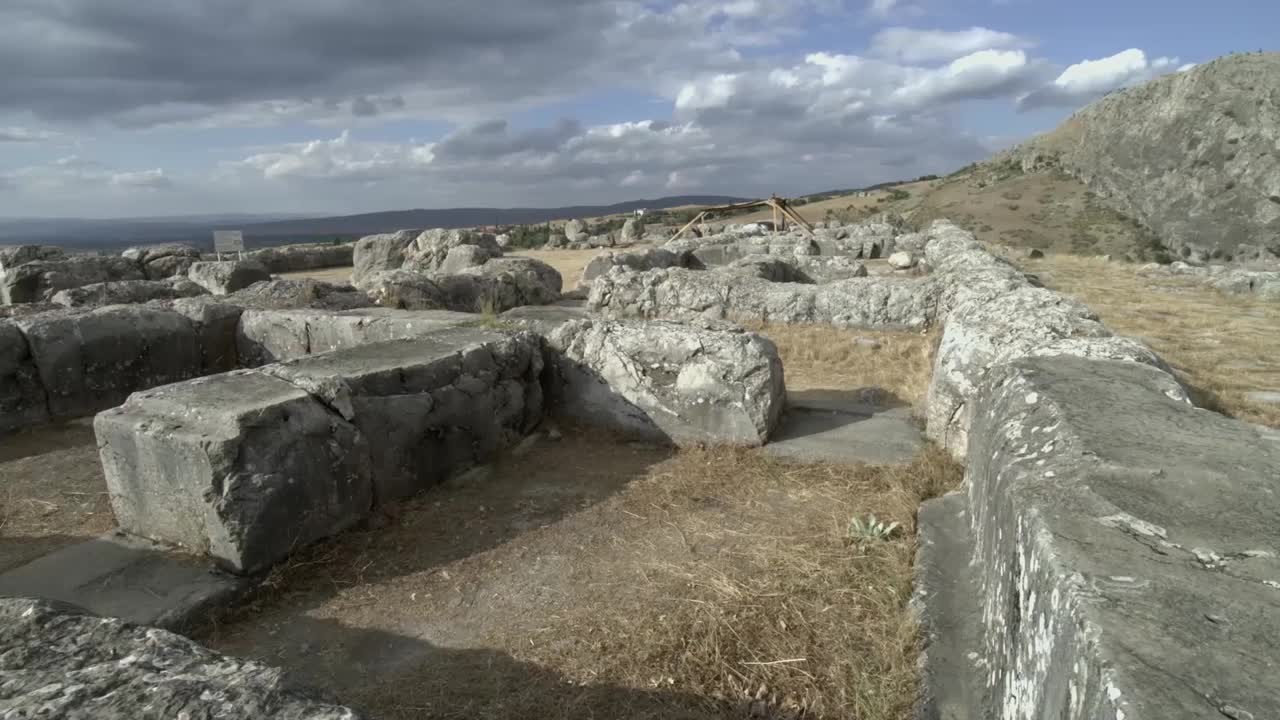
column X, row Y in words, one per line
column 136, row 580
column 831, row 427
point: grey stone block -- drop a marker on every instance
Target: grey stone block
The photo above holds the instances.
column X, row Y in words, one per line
column 668, row 381
column 1123, row 547
column 380, row 253
column 62, row 662
column 22, row 399
column 39, row 280
column 241, row 466
column 225, row 277
column 429, row 407
column 93, row 360
column 271, row 336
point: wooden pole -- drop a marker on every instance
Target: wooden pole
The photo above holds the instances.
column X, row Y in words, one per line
column 692, row 222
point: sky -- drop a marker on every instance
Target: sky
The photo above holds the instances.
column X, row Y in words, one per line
column 136, row 108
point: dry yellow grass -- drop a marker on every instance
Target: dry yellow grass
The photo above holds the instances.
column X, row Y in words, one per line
column 823, row 357
column 52, row 492
column 1223, row 346
column 710, row 584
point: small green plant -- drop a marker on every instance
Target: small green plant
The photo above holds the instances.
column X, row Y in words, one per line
column 863, row 532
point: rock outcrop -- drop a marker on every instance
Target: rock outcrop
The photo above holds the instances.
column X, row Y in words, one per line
column 1191, row 155
column 128, row 292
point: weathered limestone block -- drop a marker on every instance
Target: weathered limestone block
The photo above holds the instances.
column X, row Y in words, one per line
column 93, row 360
column 60, row 662
column 520, row 281
column 241, row 466
column 866, row 241
column 163, row 261
column 680, row 294
column 632, row 231
column 668, row 381
column 877, row 302
column 128, row 292
column 294, row 258
column 22, row 400
column 12, row 256
column 284, row 294
column 450, row 251
column 575, row 231
column 404, row 290
column 1119, row 549
column 223, row 278
column 429, row 407
column 215, row 324
column 379, row 253
column 542, row 319
column 981, row 335
column 272, row 336
column 648, row 259
column 39, row 280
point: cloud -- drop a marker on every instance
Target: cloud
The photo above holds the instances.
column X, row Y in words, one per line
column 79, row 174
column 154, row 179
column 339, row 159
column 25, row 135
column 1090, row 79
column 221, row 62
column 916, row 46
column 881, row 8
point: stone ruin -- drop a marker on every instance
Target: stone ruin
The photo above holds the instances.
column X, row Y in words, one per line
column 1113, row 551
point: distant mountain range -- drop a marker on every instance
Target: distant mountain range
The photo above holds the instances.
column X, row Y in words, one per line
column 268, row 230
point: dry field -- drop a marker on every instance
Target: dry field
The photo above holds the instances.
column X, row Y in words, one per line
column 1222, row 346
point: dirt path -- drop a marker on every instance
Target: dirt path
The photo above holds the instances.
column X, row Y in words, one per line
column 52, row 492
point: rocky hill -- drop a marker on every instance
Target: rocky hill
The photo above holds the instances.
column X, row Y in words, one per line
column 1193, row 156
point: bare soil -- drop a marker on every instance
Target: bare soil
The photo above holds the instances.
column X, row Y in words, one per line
column 52, row 492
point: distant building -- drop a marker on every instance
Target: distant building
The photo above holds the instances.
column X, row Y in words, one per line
column 641, row 212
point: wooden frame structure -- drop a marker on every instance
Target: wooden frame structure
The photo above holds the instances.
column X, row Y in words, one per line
column 782, row 211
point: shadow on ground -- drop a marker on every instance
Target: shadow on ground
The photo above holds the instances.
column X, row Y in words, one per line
column 408, row 678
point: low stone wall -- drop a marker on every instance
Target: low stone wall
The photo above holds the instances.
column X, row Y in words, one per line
column 1113, row 553
column 62, row 662
column 683, row 295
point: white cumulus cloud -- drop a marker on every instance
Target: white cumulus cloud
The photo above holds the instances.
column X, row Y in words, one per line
column 1090, row 79
column 915, row 46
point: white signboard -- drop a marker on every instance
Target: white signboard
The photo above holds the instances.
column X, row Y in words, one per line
column 228, row 241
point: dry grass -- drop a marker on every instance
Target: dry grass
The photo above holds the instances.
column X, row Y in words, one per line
column 1221, row 345
column 823, row 357
column 710, row 584
column 52, row 492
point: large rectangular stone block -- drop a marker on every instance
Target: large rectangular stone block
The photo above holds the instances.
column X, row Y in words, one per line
column 430, row 407
column 242, row 466
column 267, row 336
column 668, row 381
column 93, row 360
column 1117, row 548
column 22, row 400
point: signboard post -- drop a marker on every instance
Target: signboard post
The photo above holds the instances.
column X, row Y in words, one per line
column 229, row 241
